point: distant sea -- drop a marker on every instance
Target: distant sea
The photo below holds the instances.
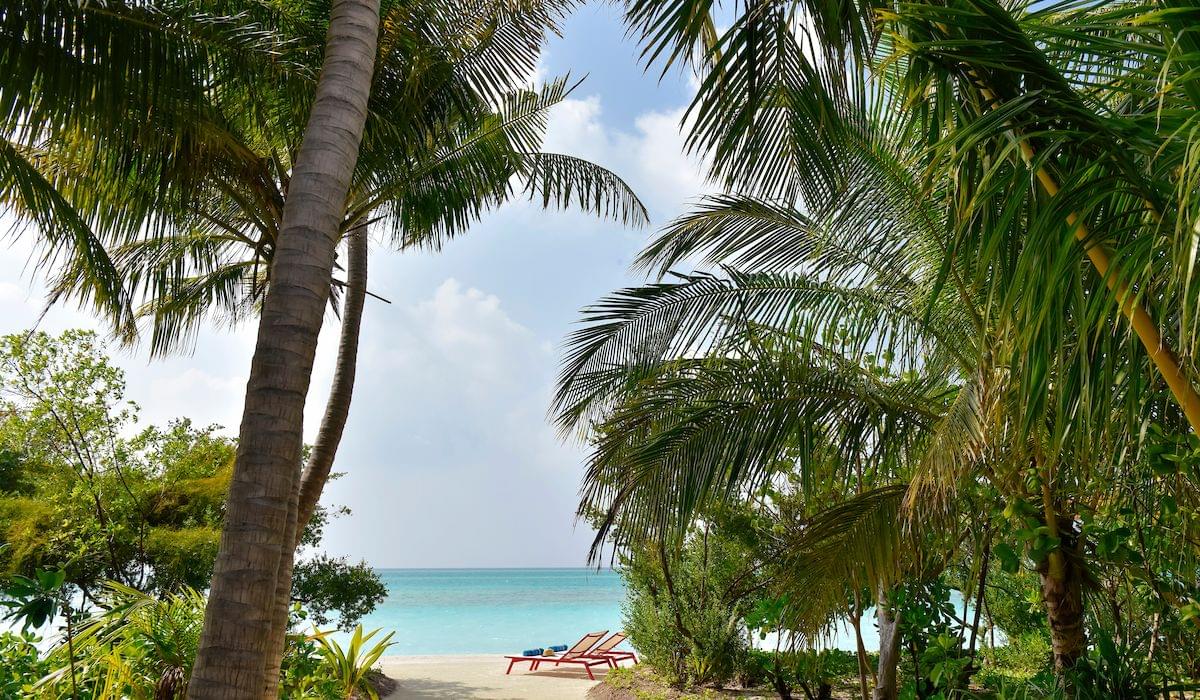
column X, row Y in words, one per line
column 504, row 611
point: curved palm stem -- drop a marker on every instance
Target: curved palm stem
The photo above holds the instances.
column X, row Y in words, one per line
column 235, row 649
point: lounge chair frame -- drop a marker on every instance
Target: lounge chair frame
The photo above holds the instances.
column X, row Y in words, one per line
column 606, row 650
column 576, row 655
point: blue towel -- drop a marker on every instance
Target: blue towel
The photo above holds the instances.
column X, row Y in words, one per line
column 532, row 652
column 559, row 647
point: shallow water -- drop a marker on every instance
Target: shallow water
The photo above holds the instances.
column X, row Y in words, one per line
column 464, row 611
column 505, row 611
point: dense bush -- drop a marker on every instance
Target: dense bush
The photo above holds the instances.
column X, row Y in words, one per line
column 105, row 499
column 815, row 672
column 20, row 665
column 138, row 646
column 685, row 613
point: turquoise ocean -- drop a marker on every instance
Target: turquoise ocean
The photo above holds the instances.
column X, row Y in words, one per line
column 504, row 611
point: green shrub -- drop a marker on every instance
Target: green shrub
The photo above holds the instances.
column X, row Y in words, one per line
column 816, row 672
column 1120, row 672
column 1023, row 659
column 688, row 620
column 350, row 667
column 20, row 665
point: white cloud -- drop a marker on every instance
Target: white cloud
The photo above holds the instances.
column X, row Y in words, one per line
column 194, row 393
column 652, row 159
column 448, row 427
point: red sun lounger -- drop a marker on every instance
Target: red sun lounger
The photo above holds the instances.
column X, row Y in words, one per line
column 606, row 650
column 576, row 655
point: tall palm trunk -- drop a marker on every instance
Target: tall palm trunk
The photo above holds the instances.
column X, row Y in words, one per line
column 886, row 682
column 337, row 409
column 320, row 462
column 235, row 645
column 1063, row 598
column 1062, row 589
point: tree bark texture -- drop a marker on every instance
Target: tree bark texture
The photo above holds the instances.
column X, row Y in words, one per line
column 235, row 645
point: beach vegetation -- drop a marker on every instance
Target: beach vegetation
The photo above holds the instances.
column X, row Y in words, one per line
column 351, row 665
column 928, row 329
column 21, row 664
column 91, row 493
column 140, row 646
column 685, row 611
column 443, row 126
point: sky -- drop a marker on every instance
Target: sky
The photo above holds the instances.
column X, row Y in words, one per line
column 448, row 457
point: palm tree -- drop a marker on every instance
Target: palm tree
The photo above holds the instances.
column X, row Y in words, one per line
column 235, row 650
column 1089, row 118
column 887, row 347
column 446, row 136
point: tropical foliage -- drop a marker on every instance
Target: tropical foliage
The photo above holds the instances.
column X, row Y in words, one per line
column 167, row 233
column 89, row 493
column 134, row 645
column 941, row 318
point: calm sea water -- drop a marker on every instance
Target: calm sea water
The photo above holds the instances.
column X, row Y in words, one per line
column 474, row 611
column 505, row 611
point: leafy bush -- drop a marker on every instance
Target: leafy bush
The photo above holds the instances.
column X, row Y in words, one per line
column 350, row 666
column 138, row 646
column 326, row 584
column 302, row 675
column 20, row 665
column 1024, row 658
column 686, row 618
column 816, row 672
column 1112, row 672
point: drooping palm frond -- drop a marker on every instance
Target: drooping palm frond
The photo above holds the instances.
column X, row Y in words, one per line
column 452, row 132
column 862, row 542
column 26, row 194
column 566, row 181
column 641, row 327
column 77, row 94
column 483, row 162
column 691, row 433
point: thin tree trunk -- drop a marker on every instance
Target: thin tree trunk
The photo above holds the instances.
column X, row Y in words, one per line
column 886, row 685
column 979, row 594
column 860, row 647
column 235, row 645
column 1062, row 588
column 337, row 409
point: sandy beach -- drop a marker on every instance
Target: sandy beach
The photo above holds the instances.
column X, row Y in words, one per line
column 481, row 676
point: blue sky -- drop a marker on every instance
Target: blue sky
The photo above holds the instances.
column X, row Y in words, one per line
column 448, row 457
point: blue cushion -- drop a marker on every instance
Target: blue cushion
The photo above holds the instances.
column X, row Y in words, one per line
column 532, row 652
column 559, row 647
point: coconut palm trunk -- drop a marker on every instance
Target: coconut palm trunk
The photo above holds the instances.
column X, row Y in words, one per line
column 337, row 409
column 1063, row 598
column 316, row 473
column 886, row 686
column 1062, row 592
column 235, row 646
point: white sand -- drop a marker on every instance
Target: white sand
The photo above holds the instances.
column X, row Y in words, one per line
column 482, row 676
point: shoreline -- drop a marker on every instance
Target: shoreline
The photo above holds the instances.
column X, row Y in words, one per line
column 481, row 676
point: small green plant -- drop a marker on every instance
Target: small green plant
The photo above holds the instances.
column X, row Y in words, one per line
column 34, row 601
column 20, row 665
column 944, row 662
column 1025, row 659
column 1119, row 672
column 137, row 645
column 351, row 666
